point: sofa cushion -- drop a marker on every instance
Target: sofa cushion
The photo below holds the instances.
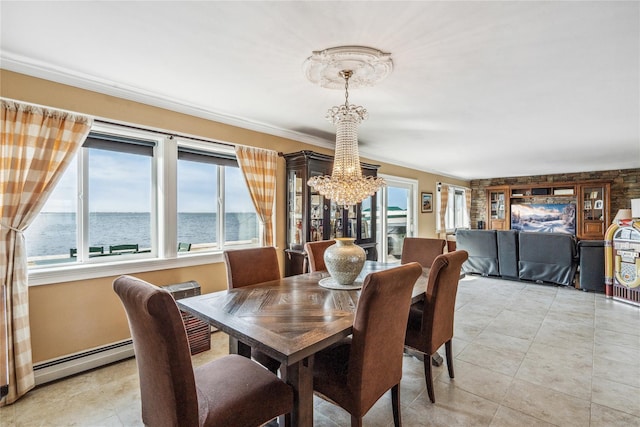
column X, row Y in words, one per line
column 508, row 253
column 547, row 257
column 482, row 248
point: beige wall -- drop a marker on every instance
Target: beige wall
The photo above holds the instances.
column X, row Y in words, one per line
column 74, row 316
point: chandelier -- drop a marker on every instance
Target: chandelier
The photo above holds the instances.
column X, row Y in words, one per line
column 346, row 185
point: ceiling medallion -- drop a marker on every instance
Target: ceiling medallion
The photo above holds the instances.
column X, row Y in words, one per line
column 367, row 65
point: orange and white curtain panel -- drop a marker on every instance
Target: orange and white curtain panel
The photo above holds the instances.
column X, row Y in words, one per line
column 467, row 205
column 36, row 146
column 442, row 212
column 259, row 169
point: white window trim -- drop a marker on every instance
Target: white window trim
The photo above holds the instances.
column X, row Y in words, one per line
column 438, row 202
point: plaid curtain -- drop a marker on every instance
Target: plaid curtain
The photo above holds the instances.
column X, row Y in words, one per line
column 444, row 201
column 467, row 201
column 259, row 170
column 36, row 146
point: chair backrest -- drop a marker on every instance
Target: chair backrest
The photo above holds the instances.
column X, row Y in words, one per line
column 92, row 250
column 315, row 253
column 421, row 250
column 375, row 360
column 160, row 343
column 440, row 299
column 250, row 266
column 126, row 248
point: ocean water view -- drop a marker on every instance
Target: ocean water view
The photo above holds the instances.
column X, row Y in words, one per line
column 54, row 233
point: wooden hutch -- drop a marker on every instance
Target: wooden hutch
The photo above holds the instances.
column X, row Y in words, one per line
column 312, row 217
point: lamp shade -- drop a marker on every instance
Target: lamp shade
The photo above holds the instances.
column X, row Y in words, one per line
column 622, row 214
column 635, row 208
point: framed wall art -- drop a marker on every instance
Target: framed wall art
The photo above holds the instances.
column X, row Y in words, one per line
column 426, row 202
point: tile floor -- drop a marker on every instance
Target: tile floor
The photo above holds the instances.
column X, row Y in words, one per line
column 525, row 355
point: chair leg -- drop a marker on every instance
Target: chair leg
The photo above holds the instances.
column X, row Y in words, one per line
column 356, row 421
column 428, row 376
column 395, row 403
column 447, row 347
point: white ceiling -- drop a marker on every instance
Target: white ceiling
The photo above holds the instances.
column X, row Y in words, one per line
column 479, row 89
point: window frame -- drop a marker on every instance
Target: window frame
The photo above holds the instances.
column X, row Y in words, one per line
column 466, row 221
column 164, row 254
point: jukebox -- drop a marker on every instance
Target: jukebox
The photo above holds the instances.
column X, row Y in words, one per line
column 622, row 261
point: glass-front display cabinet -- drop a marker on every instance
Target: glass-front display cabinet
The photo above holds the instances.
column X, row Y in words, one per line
column 312, row 217
column 594, row 210
column 498, row 208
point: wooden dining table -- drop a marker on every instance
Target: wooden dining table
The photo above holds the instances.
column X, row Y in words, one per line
column 290, row 320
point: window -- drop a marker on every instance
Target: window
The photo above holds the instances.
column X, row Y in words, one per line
column 132, row 195
column 102, row 207
column 199, row 207
column 456, row 214
column 120, row 195
column 241, row 220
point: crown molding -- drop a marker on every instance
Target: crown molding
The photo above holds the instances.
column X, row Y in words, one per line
column 34, row 68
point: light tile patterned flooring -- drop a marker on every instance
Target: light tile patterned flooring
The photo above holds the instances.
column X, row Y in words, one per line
column 525, row 355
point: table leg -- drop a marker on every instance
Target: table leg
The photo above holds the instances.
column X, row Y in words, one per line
column 300, row 377
column 238, row 347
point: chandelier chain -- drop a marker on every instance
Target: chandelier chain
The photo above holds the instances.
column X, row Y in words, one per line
column 346, row 74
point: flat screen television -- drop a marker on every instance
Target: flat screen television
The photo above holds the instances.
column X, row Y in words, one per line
column 544, row 217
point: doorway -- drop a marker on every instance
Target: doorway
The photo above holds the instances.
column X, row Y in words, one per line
column 396, row 216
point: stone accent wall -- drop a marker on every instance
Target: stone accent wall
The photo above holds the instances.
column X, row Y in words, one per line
column 625, row 185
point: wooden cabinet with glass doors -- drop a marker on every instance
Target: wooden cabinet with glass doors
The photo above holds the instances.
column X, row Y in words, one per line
column 312, row 217
column 593, row 211
column 498, row 208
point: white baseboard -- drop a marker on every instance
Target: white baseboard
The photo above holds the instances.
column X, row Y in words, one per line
column 55, row 369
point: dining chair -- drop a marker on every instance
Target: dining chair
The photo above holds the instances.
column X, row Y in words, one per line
column 229, row 391
column 315, row 254
column 184, row 247
column 357, row 371
column 421, row 250
column 248, row 267
column 430, row 322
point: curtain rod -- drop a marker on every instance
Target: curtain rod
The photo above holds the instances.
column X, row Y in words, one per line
column 440, row 183
column 164, row 132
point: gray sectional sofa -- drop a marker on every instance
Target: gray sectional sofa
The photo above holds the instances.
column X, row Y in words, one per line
column 519, row 255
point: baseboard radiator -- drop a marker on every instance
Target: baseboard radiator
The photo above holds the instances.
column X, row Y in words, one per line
column 55, row 369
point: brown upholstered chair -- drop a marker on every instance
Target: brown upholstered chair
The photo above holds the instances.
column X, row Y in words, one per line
column 315, row 254
column 248, row 267
column 421, row 250
column 230, row 391
column 430, row 322
column 358, row 370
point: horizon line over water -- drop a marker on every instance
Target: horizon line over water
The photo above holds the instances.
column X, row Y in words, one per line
column 54, row 233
